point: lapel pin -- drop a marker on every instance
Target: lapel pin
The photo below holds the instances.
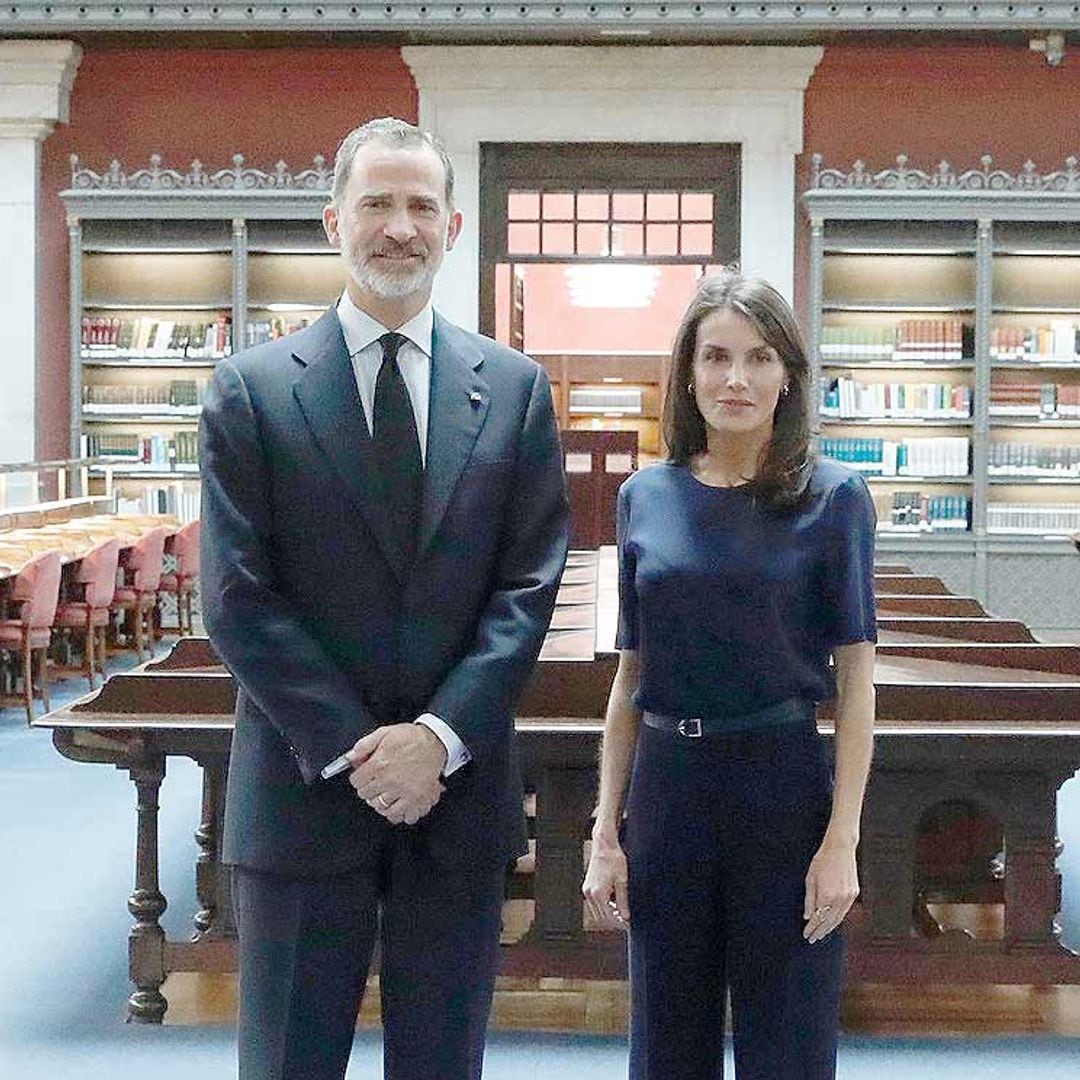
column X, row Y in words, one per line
column 475, row 397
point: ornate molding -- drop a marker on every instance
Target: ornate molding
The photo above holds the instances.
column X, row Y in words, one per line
column 238, row 178
column 944, row 178
column 598, row 22
column 35, row 85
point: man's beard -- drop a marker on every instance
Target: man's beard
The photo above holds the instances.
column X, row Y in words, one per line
column 388, row 283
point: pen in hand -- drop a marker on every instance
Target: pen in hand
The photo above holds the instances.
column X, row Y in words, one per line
column 338, row 765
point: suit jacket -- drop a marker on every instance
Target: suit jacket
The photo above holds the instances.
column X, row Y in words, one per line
column 329, row 635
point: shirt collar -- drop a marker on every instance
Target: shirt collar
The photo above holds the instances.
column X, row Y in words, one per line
column 361, row 330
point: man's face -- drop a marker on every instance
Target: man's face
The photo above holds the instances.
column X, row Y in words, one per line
column 392, row 223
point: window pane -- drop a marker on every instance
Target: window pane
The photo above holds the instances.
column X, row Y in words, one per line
column 663, row 206
column 592, row 206
column 523, row 239
column 558, row 239
column 662, row 240
column 628, row 206
column 697, row 239
column 523, row 206
column 558, row 206
column 697, row 206
column 627, row 239
column 592, row 239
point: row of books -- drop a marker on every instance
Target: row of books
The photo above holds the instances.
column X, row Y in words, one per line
column 847, row 398
column 178, row 395
column 1028, row 518
column 1035, row 400
column 912, row 511
column 1059, row 341
column 263, row 330
column 180, row 500
column 179, row 451
column 908, row 339
column 1032, row 459
column 150, row 336
column 947, row 456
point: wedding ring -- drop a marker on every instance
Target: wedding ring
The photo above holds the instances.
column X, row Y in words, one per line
column 382, row 801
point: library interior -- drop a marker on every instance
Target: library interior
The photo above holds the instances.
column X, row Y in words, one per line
column 906, row 175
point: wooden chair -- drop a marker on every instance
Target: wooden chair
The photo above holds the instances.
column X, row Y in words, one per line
column 136, row 597
column 36, row 590
column 183, row 546
column 96, row 580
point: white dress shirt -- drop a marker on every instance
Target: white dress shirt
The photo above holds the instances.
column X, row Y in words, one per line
column 362, row 334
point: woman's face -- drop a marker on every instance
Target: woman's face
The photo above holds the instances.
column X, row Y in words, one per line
column 737, row 377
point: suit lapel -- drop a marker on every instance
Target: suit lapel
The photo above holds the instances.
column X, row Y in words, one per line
column 330, row 402
column 459, row 403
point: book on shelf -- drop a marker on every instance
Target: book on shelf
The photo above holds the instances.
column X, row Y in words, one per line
column 1046, row 400
column 606, row 399
column 184, row 396
column 912, row 511
column 152, row 452
column 914, row 340
column 1059, row 341
column 260, row 331
column 1024, row 459
column 1033, row 518
column 846, row 398
column 180, row 500
column 146, row 336
column 946, row 456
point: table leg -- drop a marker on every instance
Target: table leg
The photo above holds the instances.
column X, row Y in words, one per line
column 212, row 882
column 146, row 941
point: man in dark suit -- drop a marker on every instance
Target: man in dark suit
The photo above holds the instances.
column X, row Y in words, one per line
column 384, row 529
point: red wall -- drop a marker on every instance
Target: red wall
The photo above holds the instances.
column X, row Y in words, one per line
column 866, row 101
column 267, row 104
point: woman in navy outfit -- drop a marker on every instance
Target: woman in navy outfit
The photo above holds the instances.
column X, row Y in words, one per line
column 744, row 565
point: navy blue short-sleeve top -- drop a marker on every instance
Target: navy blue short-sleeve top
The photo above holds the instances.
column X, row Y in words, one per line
column 732, row 605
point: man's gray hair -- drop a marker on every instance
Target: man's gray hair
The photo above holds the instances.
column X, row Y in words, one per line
column 393, row 132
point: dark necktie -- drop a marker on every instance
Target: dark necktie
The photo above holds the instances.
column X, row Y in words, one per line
column 397, row 449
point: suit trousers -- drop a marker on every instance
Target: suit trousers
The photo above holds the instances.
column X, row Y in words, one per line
column 719, row 833
column 306, row 946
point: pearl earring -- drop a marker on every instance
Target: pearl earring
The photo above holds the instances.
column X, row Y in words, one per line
column 690, row 388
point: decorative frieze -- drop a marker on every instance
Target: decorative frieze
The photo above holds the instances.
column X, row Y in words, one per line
column 239, row 177
column 945, row 178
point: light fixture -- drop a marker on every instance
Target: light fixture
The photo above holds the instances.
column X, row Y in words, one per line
column 625, row 286
column 1052, row 47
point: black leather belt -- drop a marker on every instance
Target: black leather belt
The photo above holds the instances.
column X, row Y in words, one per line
column 791, row 711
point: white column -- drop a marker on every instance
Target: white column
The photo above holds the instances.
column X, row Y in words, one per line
column 750, row 95
column 35, row 85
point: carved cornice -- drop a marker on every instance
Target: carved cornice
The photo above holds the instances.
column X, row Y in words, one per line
column 238, row 178
column 596, row 21
column 944, row 178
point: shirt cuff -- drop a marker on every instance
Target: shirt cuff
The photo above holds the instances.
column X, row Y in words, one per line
column 457, row 753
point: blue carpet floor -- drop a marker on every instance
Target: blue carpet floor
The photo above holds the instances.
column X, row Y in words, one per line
column 66, row 856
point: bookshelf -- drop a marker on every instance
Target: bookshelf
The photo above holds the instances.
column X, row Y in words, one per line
column 610, row 392
column 170, row 272
column 944, row 323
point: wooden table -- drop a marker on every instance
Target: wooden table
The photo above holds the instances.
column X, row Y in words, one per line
column 990, row 726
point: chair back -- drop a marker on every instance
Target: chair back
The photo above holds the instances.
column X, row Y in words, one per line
column 37, row 588
column 97, row 573
column 184, row 547
column 144, row 561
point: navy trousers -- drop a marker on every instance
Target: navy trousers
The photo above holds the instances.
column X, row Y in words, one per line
column 306, row 946
column 719, row 834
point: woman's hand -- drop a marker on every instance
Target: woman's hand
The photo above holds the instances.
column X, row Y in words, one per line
column 832, row 884
column 604, row 887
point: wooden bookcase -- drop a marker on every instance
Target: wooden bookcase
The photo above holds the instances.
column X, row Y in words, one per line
column 170, row 272
column 946, row 306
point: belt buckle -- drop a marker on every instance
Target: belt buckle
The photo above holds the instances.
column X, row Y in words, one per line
column 689, row 728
